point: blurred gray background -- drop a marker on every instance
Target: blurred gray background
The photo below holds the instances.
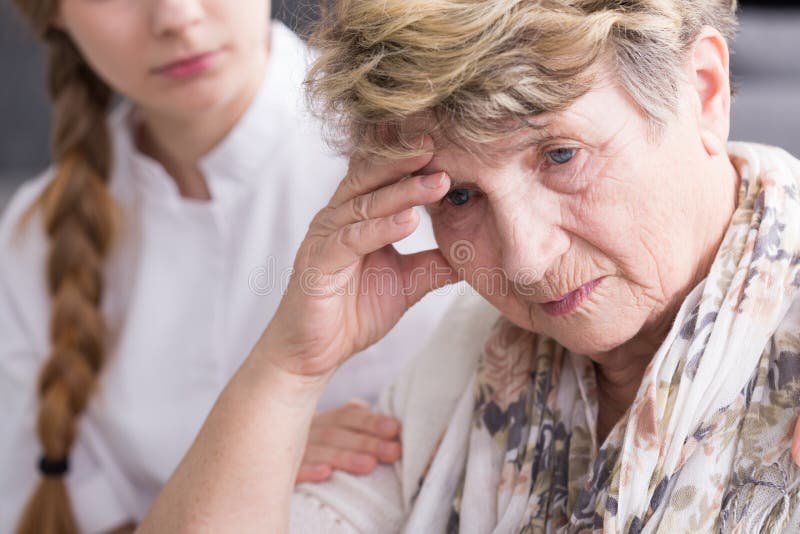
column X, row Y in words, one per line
column 766, row 66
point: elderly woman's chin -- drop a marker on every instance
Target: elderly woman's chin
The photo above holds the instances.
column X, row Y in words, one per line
column 594, row 334
column 608, row 318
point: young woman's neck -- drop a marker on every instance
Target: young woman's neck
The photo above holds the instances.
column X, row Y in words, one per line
column 179, row 143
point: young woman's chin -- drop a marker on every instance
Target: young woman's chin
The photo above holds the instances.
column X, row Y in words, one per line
column 200, row 95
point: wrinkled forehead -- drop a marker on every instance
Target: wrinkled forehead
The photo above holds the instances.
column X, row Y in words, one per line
column 595, row 119
column 464, row 157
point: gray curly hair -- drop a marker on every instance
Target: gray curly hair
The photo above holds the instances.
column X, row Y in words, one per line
column 478, row 70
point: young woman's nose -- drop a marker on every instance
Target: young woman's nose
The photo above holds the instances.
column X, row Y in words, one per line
column 173, row 17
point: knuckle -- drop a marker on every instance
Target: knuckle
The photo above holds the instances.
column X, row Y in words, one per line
column 352, row 408
column 361, row 207
column 357, row 162
column 326, row 435
column 312, row 454
column 323, row 218
column 342, row 458
column 374, row 422
column 360, row 417
column 315, row 250
column 313, row 433
column 338, row 412
column 368, row 444
column 349, row 236
column 355, row 181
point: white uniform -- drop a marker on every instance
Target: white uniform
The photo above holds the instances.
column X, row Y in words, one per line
column 189, row 288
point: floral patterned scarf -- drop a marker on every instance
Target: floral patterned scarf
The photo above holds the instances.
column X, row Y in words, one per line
column 705, row 445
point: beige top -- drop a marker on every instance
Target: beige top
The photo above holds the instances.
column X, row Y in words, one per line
column 425, row 401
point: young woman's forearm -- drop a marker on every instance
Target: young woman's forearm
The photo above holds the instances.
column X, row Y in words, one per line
column 239, row 474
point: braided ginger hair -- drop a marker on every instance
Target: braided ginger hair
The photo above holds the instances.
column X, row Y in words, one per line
column 77, row 213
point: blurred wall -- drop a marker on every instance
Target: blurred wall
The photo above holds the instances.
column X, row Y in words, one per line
column 766, row 66
column 23, row 102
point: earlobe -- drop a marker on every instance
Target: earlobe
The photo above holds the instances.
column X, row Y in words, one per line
column 712, row 143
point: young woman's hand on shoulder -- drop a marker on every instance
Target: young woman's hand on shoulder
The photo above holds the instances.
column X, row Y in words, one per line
column 351, row 438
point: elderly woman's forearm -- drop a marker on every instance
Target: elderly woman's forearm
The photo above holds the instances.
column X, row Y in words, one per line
column 239, row 474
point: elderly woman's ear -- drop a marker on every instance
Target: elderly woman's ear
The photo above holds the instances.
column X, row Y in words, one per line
column 709, row 75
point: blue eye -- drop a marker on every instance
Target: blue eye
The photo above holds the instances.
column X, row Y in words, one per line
column 561, row 156
column 458, row 196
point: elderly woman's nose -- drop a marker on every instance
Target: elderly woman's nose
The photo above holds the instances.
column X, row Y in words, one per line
column 172, row 17
column 528, row 244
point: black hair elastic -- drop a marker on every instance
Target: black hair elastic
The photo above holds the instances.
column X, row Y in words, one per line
column 50, row 468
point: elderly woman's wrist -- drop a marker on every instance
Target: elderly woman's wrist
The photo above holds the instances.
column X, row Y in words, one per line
column 275, row 361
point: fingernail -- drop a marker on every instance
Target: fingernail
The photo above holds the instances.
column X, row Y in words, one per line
column 363, row 461
column 403, row 217
column 433, row 181
column 322, row 470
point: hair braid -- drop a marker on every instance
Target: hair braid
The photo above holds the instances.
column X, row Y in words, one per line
column 78, row 220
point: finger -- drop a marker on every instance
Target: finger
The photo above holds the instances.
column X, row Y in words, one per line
column 386, row 201
column 343, row 460
column 342, row 438
column 367, row 174
column 796, row 443
column 360, row 419
column 313, row 473
column 358, row 403
column 424, row 272
column 354, row 241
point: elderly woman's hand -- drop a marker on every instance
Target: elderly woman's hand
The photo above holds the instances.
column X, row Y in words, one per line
column 351, row 438
column 350, row 286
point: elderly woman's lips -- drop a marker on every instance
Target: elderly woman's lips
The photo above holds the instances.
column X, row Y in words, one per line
column 571, row 300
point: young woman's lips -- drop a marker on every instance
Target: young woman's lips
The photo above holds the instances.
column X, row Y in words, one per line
column 189, row 67
column 571, row 300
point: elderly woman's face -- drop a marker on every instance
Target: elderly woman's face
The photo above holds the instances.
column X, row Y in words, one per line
column 590, row 235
